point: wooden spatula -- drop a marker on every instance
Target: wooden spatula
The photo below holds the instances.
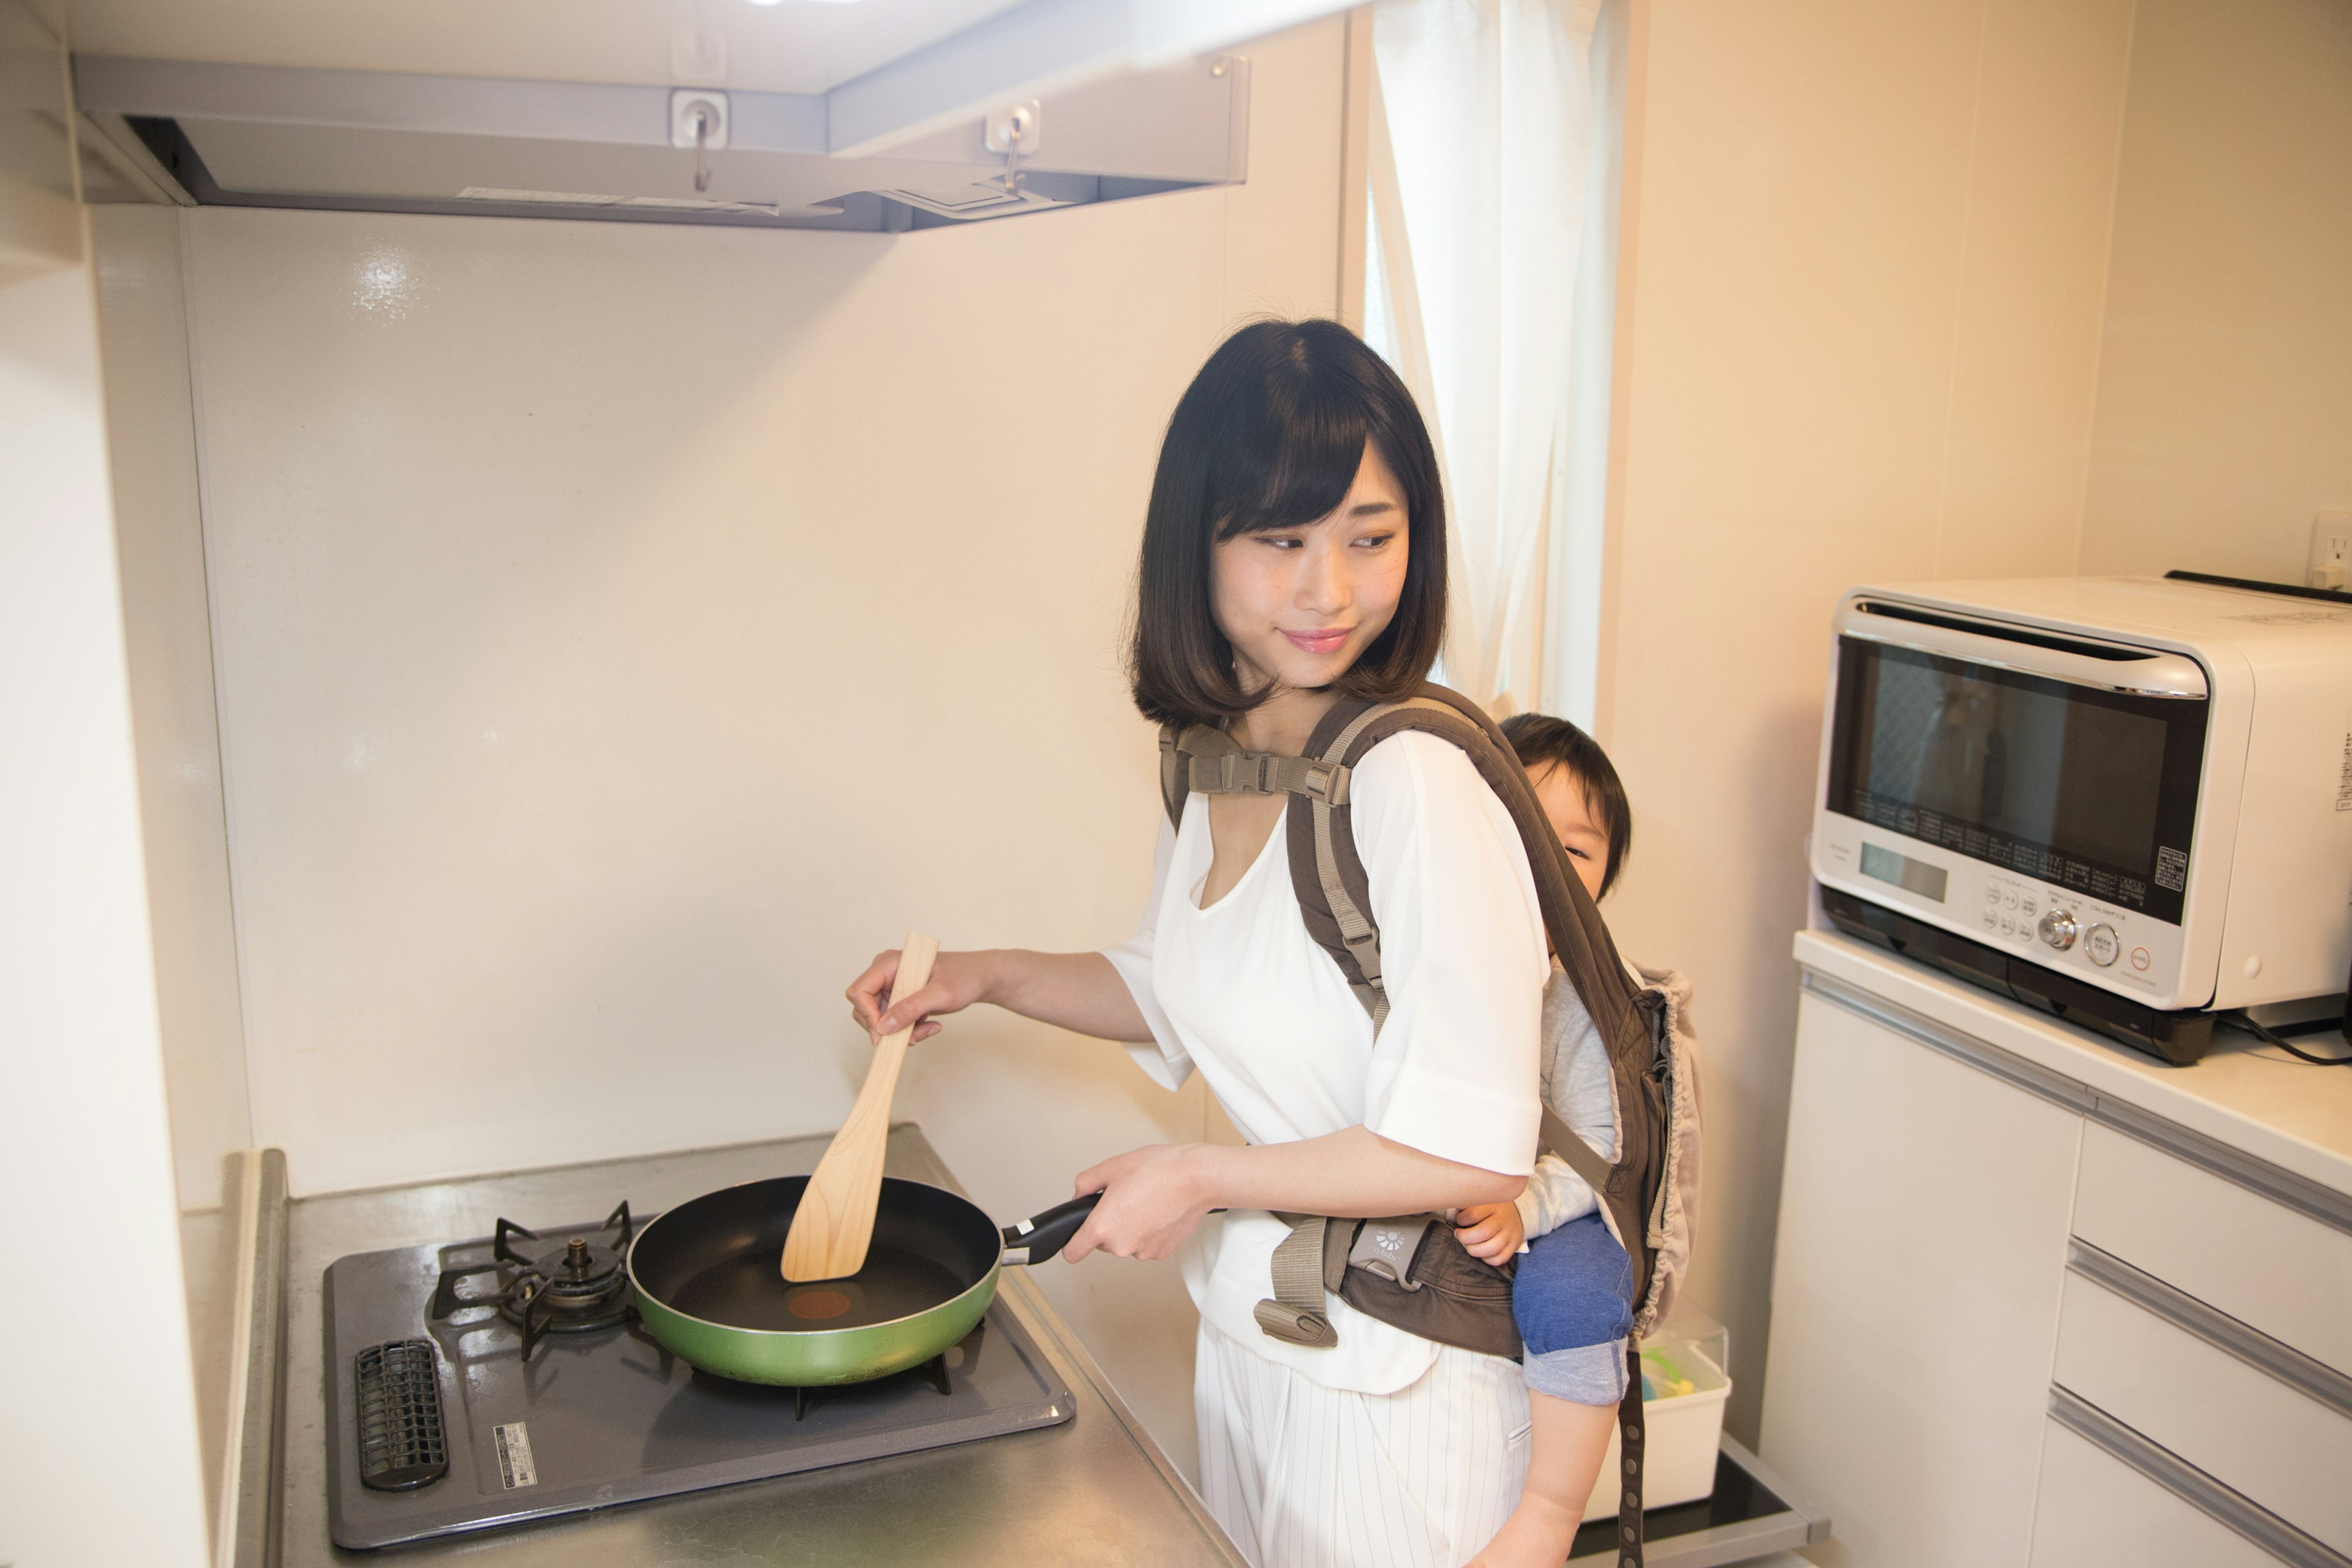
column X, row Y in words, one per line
column 834, row 1223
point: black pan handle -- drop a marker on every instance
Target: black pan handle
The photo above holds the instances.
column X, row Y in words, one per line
column 1041, row 1235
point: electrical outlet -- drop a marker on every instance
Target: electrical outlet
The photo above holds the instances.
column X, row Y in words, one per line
column 2331, row 549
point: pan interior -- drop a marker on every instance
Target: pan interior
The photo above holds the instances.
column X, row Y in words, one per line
column 745, row 1291
column 718, row 1257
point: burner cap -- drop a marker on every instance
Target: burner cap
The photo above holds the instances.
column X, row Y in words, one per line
column 577, row 1266
column 576, row 1284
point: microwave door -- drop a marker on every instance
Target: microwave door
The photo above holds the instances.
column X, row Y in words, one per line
column 2083, row 789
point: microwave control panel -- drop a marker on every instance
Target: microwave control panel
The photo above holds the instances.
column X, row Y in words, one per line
column 2119, row 949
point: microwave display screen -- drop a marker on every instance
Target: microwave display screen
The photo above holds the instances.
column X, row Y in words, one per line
column 2093, row 790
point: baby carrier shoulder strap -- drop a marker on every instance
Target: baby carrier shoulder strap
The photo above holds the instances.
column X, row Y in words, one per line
column 1380, row 1266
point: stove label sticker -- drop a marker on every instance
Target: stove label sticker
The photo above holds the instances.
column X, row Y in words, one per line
column 515, row 1467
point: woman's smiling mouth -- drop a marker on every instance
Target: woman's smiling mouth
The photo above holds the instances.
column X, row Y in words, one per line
column 1326, row 640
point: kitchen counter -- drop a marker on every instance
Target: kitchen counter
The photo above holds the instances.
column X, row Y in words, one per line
column 2293, row 1117
column 1094, row 1490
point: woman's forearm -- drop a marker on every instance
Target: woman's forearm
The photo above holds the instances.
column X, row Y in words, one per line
column 1354, row 1173
column 1079, row 992
column 1153, row 1198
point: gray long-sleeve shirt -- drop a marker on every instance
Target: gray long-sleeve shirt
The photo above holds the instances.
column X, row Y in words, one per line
column 1576, row 1086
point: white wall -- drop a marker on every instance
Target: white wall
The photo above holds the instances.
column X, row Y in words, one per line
column 2225, row 389
column 1857, row 338
column 95, row 1373
column 621, row 632
column 150, row 417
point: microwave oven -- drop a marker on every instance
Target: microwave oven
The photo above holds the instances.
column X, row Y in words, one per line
column 2126, row 800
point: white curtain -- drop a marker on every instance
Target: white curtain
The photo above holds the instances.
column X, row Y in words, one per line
column 1482, row 134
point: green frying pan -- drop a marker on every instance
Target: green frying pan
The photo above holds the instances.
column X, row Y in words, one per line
column 707, row 1282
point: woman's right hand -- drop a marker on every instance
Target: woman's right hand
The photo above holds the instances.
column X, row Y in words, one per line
column 958, row 980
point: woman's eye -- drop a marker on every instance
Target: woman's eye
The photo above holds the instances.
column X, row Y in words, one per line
column 1281, row 542
column 1375, row 541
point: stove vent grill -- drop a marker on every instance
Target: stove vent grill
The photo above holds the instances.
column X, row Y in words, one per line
column 402, row 1443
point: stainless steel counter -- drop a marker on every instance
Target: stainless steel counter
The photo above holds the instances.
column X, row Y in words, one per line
column 1096, row 1490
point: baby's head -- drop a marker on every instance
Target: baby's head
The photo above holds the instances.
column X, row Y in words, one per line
column 1581, row 793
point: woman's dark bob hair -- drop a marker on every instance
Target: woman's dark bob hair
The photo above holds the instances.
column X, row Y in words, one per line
column 1270, row 434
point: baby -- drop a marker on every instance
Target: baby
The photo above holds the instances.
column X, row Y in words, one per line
column 1572, row 1293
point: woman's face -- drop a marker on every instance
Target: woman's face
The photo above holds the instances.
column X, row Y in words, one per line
column 1300, row 604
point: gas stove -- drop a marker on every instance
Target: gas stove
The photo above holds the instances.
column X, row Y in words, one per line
column 493, row 1381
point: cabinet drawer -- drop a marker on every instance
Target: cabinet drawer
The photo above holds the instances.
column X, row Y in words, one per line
column 2265, row 1264
column 2212, row 1393
column 2096, row 1511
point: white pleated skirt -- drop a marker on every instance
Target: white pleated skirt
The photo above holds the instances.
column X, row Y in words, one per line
column 1302, row 1475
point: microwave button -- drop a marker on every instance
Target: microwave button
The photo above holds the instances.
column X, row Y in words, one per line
column 2029, row 906
column 2104, row 946
column 2008, row 925
column 2058, row 929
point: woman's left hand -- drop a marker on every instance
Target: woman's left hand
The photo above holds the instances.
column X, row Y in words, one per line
column 1151, row 1200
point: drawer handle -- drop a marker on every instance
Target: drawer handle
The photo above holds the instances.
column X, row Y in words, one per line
column 2313, row 1380
column 2189, row 1484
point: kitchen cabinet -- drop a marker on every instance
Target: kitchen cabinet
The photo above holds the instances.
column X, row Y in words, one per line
column 2096, row 1509
column 2038, row 1301
column 1924, row 1203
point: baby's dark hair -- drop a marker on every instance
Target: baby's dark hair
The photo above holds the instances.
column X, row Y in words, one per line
column 1543, row 742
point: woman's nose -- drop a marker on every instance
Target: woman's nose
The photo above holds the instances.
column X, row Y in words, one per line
column 1324, row 584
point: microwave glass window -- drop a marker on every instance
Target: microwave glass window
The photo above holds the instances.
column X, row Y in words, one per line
column 2088, row 789
column 2022, row 762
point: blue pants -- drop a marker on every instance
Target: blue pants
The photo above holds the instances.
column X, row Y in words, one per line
column 1573, row 1299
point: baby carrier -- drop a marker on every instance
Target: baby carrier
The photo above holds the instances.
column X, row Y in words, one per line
column 1411, row 1271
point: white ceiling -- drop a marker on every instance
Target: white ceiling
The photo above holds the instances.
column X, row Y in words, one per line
column 796, row 45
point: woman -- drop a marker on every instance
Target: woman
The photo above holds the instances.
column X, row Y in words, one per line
column 1293, row 553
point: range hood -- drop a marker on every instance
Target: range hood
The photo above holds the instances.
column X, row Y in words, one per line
column 1051, row 104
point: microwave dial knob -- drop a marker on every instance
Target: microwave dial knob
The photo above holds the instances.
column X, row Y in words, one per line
column 2058, row 929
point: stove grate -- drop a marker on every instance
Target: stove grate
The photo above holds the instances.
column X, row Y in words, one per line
column 933, row 1372
column 578, row 1285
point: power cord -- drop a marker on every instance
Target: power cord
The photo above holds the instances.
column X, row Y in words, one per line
column 2270, row 1037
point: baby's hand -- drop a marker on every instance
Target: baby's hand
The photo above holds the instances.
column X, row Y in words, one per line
column 1490, row 1233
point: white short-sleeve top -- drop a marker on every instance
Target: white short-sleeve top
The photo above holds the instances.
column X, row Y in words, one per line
column 1240, row 991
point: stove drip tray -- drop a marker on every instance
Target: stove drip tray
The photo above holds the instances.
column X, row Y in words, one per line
column 552, row 1403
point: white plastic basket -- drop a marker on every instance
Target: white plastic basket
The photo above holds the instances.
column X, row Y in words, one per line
column 1683, row 1428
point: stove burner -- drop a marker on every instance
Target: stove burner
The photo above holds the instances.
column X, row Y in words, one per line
column 573, row 1286
column 574, row 1282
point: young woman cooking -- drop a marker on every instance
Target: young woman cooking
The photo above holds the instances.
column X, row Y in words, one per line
column 1294, row 551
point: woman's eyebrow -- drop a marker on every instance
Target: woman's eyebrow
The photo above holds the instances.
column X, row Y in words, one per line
column 1371, row 508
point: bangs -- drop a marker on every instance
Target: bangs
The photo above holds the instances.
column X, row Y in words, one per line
column 1295, row 458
